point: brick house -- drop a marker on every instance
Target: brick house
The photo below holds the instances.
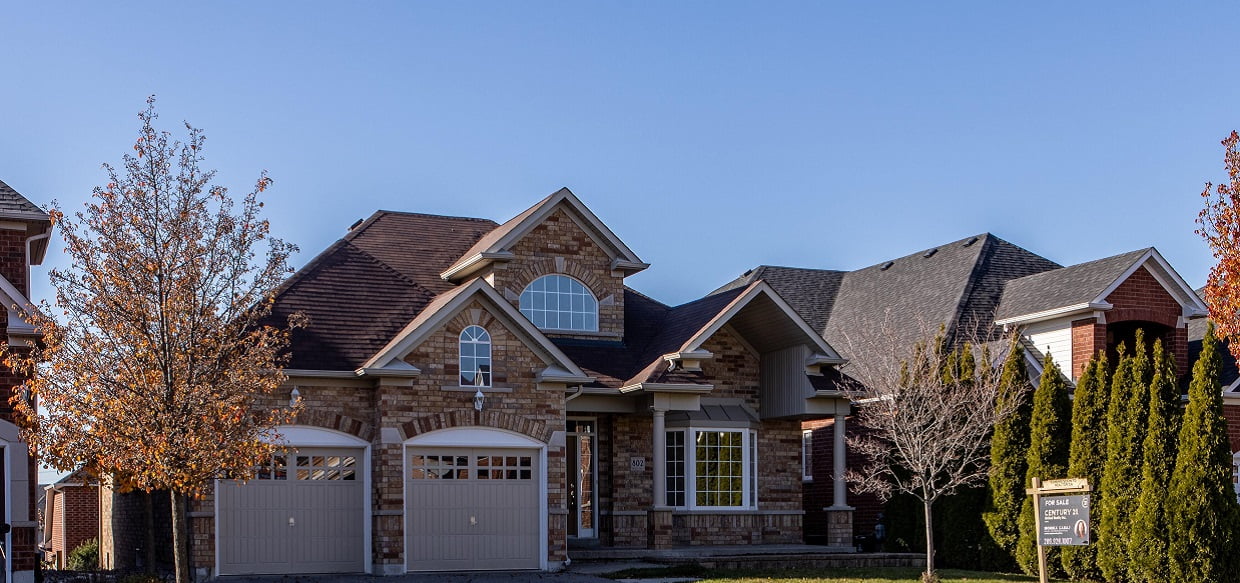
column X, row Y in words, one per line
column 70, row 516
column 24, row 232
column 976, row 287
column 488, row 396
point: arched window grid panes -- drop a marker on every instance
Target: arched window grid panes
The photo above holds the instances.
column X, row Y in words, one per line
column 559, row 302
column 475, row 357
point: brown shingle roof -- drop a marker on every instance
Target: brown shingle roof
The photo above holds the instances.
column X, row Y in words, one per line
column 419, row 246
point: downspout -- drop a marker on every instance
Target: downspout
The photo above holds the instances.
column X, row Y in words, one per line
column 580, row 389
column 30, row 240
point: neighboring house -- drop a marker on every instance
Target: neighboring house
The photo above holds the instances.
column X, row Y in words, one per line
column 976, row 287
column 487, row 396
column 24, row 231
column 70, row 516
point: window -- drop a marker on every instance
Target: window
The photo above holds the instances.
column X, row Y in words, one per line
column 559, row 302
column 325, row 467
column 475, row 357
column 807, row 455
column 719, row 471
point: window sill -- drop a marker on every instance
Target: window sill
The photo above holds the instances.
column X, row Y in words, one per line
column 485, row 390
column 710, row 511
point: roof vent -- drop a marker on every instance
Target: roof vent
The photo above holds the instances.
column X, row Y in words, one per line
column 355, row 224
column 971, row 241
column 930, row 253
column 887, row 266
column 747, row 272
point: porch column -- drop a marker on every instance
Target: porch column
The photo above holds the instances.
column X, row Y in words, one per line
column 659, row 459
column 838, row 459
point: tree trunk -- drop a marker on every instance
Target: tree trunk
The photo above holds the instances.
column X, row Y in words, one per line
column 180, row 538
column 929, row 575
column 148, row 501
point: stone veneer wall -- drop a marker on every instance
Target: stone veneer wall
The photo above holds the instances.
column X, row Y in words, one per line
column 514, row 404
column 625, row 495
column 558, row 245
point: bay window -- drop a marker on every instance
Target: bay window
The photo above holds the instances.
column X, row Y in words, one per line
column 712, row 468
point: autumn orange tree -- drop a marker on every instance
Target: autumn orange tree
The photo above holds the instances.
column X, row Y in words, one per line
column 1220, row 226
column 153, row 364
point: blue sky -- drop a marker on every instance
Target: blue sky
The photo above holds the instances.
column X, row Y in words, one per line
column 710, row 136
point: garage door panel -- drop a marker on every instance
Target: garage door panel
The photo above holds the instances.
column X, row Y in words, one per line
column 287, row 525
column 472, row 509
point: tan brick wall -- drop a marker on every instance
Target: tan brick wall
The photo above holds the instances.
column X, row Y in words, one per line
column 735, row 373
column 558, row 245
column 426, row 406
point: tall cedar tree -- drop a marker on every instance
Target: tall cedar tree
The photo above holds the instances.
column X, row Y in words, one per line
column 1202, row 515
column 1147, row 544
column 155, row 372
column 926, row 433
column 1087, row 456
column 1121, row 477
column 960, row 531
column 1008, row 449
column 1049, row 435
column 1220, row 226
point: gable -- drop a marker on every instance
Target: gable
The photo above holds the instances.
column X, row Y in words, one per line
column 497, row 245
column 390, row 360
column 1087, row 287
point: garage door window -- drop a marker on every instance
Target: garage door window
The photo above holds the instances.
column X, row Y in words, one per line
column 465, row 467
column 439, row 467
column 326, row 467
column 274, row 469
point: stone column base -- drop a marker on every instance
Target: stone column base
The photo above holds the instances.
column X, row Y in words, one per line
column 840, row 527
column 659, row 529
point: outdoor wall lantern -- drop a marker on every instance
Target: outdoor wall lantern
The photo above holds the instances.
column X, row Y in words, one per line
column 294, row 397
column 478, row 399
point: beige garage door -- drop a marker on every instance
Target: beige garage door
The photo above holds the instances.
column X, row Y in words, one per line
column 472, row 509
column 304, row 514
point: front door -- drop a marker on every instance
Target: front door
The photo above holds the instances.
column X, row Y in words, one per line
column 581, row 444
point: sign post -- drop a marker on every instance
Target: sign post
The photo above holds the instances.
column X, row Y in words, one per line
column 1060, row 515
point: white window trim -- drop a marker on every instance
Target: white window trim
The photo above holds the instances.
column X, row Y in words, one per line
column 460, row 358
column 807, row 455
column 589, row 293
column 749, row 467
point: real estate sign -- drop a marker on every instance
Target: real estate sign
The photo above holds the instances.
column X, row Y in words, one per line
column 1064, row 520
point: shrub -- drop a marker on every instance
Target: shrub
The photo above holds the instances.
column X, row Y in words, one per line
column 85, row 557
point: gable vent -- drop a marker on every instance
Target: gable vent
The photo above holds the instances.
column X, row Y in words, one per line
column 887, row 266
column 969, row 242
column 930, row 253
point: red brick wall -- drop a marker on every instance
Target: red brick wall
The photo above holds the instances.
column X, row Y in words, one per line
column 75, row 518
column 25, row 554
column 1088, row 338
column 1232, row 413
column 820, row 493
column 1141, row 297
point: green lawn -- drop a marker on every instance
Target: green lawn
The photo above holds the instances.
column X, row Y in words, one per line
column 875, row 575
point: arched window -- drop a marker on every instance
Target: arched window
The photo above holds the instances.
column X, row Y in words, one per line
column 558, row 302
column 475, row 357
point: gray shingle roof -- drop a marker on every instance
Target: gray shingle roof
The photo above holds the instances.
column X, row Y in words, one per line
column 14, row 205
column 811, row 292
column 1069, row 286
column 957, row 285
